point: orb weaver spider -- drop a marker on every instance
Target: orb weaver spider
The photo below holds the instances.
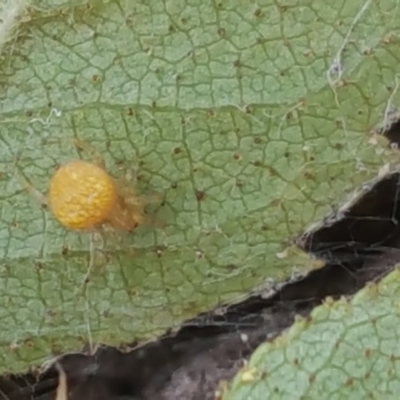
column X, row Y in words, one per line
column 84, row 197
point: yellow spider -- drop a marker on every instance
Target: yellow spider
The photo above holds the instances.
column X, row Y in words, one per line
column 83, row 196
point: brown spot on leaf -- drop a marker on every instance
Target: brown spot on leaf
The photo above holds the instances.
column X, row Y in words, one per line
column 308, row 175
column 200, row 195
column 349, row 382
column 221, row 31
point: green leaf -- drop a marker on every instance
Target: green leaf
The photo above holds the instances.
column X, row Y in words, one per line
column 345, row 350
column 237, row 113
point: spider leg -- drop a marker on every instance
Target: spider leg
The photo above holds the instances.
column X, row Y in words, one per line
column 83, row 145
column 35, row 193
column 96, row 260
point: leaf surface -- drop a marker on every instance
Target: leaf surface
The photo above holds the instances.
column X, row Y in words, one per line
column 347, row 349
column 252, row 120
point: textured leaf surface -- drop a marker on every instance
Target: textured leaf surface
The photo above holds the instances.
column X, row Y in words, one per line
column 346, row 350
column 251, row 119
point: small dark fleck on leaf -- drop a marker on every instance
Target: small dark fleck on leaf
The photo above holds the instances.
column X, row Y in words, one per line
column 308, row 175
column 221, row 32
column 159, row 250
column 199, row 254
column 275, row 203
column 339, row 123
column 338, row 146
column 174, row 185
column 38, row 266
column 51, row 313
column 264, row 375
column 349, row 382
column 200, row 195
